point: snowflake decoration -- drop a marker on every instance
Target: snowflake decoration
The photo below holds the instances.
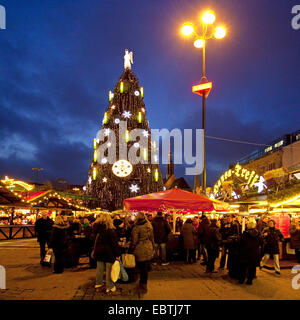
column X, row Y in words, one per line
column 106, row 132
column 126, row 114
column 134, row 188
column 145, row 133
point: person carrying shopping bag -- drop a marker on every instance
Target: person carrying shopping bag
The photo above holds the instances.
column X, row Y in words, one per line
column 142, row 246
column 106, row 251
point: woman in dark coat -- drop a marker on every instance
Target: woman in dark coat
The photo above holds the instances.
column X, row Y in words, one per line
column 190, row 238
column 213, row 242
column 295, row 237
column 249, row 252
column 58, row 242
column 142, row 245
column 106, row 251
column 272, row 236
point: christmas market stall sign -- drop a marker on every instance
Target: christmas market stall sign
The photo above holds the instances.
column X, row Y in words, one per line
column 244, row 175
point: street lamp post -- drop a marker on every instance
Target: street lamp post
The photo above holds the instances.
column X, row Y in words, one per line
column 207, row 31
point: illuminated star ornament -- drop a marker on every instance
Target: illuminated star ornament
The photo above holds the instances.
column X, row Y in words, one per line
column 106, row 132
column 126, row 114
column 104, row 179
column 134, row 188
column 146, row 133
column 261, row 184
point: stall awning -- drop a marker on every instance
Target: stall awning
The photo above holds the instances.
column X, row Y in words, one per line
column 174, row 199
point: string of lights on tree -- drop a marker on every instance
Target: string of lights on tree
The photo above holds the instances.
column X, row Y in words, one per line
column 112, row 183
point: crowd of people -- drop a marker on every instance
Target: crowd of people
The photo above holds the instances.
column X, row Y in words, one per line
column 203, row 239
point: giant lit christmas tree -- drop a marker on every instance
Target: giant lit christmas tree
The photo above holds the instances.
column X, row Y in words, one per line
column 113, row 181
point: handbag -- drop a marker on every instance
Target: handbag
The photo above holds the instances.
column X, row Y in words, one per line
column 128, row 260
column 123, row 274
column 49, row 257
column 115, row 271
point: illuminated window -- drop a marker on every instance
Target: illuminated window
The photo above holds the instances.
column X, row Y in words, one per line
column 268, row 149
column 278, row 144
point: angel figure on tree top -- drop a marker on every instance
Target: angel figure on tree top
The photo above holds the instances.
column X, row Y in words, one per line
column 128, row 59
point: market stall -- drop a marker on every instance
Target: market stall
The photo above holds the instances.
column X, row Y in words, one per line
column 174, row 201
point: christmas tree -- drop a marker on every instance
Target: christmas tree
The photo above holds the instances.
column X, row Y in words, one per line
column 115, row 180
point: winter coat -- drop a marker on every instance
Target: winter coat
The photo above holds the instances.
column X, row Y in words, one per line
column 274, row 235
column 189, row 236
column 142, row 240
column 43, row 229
column 226, row 232
column 249, row 247
column 214, row 237
column 236, row 228
column 203, row 231
column 106, row 247
column 59, row 237
column 295, row 237
column 161, row 229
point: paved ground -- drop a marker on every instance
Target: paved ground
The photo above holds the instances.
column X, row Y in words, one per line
column 27, row 280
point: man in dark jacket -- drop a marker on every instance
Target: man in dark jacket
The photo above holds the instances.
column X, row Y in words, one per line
column 249, row 252
column 272, row 236
column 161, row 230
column 213, row 241
column 43, row 227
column 226, row 231
column 202, row 235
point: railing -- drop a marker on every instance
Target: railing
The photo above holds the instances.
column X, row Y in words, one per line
column 17, row 232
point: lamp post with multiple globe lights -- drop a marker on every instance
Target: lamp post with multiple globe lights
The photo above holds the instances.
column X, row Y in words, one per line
column 202, row 32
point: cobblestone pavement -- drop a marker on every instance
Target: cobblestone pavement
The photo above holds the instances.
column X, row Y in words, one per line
column 27, row 280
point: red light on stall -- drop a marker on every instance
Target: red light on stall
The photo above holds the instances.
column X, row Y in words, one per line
column 203, row 88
